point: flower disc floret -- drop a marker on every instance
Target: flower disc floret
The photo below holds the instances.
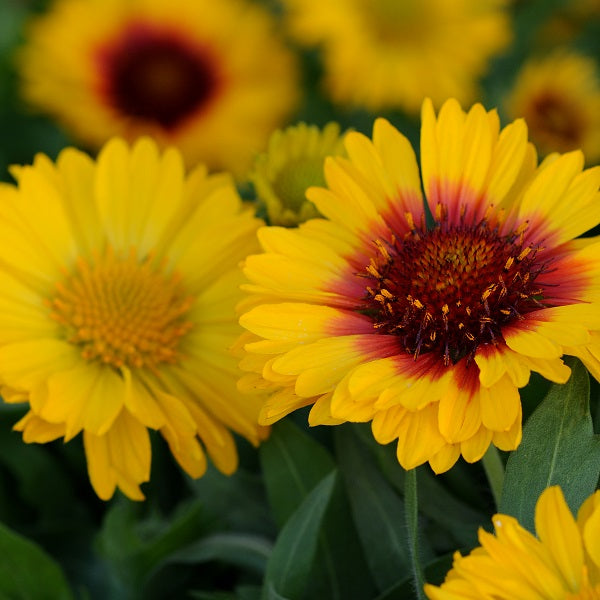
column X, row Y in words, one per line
column 151, row 73
column 123, row 312
column 450, row 289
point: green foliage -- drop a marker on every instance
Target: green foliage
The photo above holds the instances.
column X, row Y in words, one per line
column 558, row 448
column 27, row 572
column 290, row 564
column 377, row 510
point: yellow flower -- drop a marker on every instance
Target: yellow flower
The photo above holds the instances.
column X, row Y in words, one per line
column 559, row 97
column 428, row 329
column 209, row 77
column 294, row 162
column 119, row 280
column 562, row 563
column 392, row 54
column 567, row 21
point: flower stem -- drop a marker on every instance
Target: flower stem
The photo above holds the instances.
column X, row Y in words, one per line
column 411, row 506
column 494, row 470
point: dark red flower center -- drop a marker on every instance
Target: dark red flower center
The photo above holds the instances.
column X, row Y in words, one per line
column 452, row 288
column 555, row 122
column 156, row 75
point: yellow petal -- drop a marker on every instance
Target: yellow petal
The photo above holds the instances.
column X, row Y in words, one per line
column 500, row 405
column 557, row 530
column 475, row 447
column 89, row 397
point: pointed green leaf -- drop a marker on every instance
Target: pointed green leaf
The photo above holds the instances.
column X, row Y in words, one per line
column 340, row 570
column 293, row 555
column 293, row 463
column 558, row 448
column 271, row 594
column 377, row 509
column 244, row 550
column 443, row 509
column 435, row 572
column 27, row 572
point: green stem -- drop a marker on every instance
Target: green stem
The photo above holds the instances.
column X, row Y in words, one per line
column 494, row 470
column 411, row 505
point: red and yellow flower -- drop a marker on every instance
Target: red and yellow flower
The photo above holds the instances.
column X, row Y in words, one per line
column 426, row 318
column 212, row 78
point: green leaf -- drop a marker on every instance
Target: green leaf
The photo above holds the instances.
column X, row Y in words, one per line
column 443, row 509
column 377, row 509
column 235, row 502
column 27, row 572
column 247, row 551
column 340, row 570
column 435, row 573
column 294, row 552
column 293, row 463
column 271, row 594
column 136, row 548
column 558, row 448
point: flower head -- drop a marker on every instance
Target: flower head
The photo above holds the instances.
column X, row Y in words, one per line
column 389, row 54
column 563, row 562
column 559, row 97
column 293, row 163
column 119, row 284
column 210, row 78
column 426, row 323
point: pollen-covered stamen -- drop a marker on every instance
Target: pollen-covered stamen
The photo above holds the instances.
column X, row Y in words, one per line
column 121, row 311
column 452, row 288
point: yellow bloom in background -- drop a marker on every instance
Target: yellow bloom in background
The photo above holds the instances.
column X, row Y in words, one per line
column 559, row 97
column 562, row 563
column 211, row 78
column 292, row 163
column 119, row 280
column 382, row 54
column 567, row 21
column 428, row 330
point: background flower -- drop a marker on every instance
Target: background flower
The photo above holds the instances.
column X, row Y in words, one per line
column 386, row 54
column 212, row 79
column 293, row 163
column 118, row 292
column 559, row 97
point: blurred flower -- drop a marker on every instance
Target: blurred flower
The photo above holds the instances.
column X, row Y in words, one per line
column 559, row 97
column 563, row 562
column 294, row 162
column 388, row 54
column 567, row 21
column 428, row 330
column 118, row 286
column 210, row 78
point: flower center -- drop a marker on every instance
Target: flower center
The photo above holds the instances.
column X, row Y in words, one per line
column 555, row 122
column 452, row 288
column 295, row 178
column 155, row 75
column 122, row 312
